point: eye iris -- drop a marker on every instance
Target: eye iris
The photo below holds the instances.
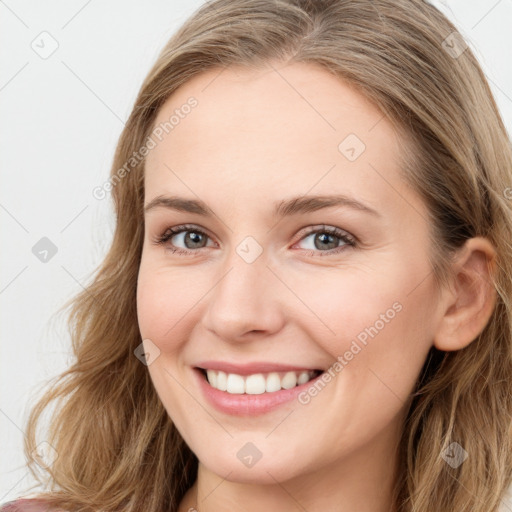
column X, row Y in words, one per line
column 325, row 239
column 194, row 237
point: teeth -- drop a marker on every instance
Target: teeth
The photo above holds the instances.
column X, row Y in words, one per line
column 257, row 383
column 212, row 378
column 303, row 378
column 235, row 384
column 289, row 380
column 254, row 384
column 273, row 383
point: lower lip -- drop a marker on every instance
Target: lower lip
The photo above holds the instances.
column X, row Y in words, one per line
column 248, row 405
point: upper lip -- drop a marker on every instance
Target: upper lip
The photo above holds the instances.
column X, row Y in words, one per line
column 251, row 368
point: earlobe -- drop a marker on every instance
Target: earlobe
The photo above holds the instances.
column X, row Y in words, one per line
column 468, row 306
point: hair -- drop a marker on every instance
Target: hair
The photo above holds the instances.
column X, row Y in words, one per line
column 117, row 447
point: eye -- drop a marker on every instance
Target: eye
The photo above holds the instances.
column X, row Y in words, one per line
column 191, row 236
column 326, row 240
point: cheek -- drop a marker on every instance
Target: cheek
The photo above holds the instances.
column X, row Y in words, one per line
column 164, row 310
column 343, row 305
column 165, row 302
column 378, row 328
column 382, row 334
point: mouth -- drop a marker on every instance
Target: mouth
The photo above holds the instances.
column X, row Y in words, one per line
column 257, row 383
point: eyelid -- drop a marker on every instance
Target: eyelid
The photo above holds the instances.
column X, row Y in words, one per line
column 348, row 239
column 319, row 228
column 172, row 231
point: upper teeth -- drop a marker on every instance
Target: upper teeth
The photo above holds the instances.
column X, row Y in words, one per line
column 257, row 383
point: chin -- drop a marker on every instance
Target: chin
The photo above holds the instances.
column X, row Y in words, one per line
column 265, row 471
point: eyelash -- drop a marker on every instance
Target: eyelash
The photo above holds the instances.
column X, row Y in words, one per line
column 349, row 240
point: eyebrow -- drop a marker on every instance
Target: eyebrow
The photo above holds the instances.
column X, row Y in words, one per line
column 286, row 207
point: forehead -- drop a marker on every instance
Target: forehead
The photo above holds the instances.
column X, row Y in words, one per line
column 286, row 126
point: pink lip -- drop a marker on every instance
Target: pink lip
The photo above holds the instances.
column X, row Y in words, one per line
column 247, row 405
column 250, row 368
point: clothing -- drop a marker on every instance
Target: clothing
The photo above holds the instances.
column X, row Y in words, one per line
column 25, row 505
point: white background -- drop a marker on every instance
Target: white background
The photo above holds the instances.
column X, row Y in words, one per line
column 60, row 121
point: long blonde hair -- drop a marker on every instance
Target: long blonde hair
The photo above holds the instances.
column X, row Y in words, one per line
column 117, row 447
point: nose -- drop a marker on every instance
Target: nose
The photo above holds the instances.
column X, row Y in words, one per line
column 245, row 301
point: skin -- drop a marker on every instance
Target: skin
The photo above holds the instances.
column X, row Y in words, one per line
column 258, row 136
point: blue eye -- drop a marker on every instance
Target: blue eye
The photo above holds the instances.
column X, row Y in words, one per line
column 192, row 235
column 327, row 237
column 323, row 238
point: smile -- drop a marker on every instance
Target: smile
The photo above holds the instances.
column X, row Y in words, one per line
column 249, row 395
column 258, row 383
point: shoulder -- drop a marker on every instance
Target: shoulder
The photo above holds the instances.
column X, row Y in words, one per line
column 25, row 505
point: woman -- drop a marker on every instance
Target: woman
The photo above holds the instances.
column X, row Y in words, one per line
column 340, row 336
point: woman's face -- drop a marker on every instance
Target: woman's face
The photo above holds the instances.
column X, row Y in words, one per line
column 258, row 165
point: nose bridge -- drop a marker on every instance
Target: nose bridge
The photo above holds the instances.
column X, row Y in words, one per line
column 244, row 296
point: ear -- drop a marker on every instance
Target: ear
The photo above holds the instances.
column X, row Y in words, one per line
column 468, row 306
